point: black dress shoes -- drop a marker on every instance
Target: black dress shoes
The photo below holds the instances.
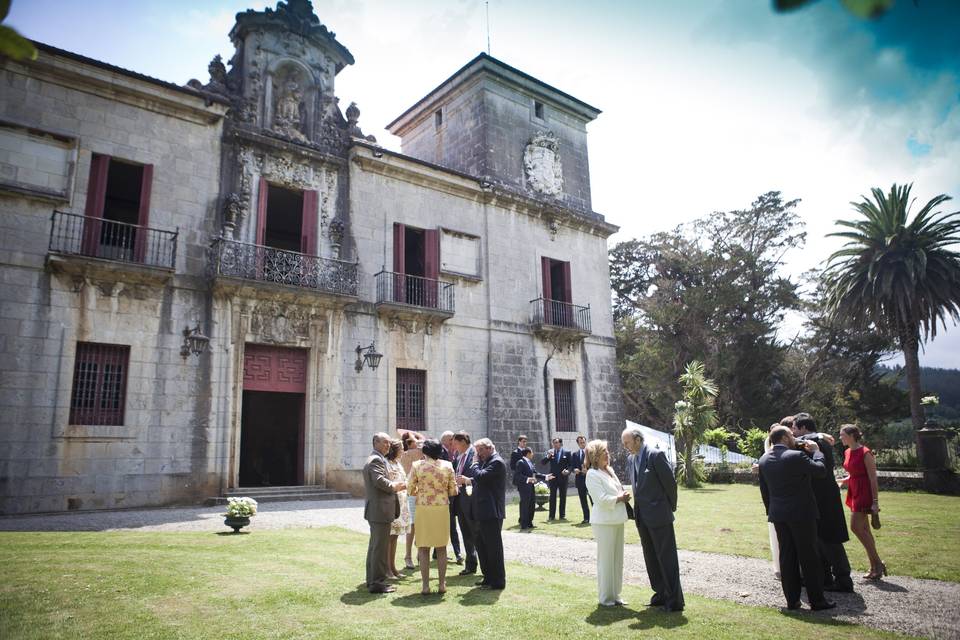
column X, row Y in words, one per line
column 793, row 606
column 671, row 608
column 459, row 560
column 467, row 572
column 655, row 601
column 821, row 606
column 480, row 583
column 382, row 588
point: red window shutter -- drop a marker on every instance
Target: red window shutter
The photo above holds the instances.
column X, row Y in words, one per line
column 431, row 267
column 96, row 197
column 143, row 216
column 308, row 233
column 399, row 262
column 262, row 211
column 547, row 288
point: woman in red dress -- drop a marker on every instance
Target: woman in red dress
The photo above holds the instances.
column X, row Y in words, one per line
column 862, row 495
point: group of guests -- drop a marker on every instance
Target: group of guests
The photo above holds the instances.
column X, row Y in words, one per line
column 801, row 494
column 562, row 464
column 420, row 488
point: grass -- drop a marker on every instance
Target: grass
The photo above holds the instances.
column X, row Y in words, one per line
column 730, row 519
column 307, row 584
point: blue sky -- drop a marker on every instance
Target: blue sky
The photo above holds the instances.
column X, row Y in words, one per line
column 706, row 104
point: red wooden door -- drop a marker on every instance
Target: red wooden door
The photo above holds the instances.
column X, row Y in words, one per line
column 143, row 219
column 279, row 369
column 547, row 290
column 96, row 198
column 399, row 262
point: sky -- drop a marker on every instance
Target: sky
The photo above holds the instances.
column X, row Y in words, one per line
column 706, row 103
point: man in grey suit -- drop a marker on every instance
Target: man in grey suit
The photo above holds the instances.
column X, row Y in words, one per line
column 381, row 508
column 655, row 500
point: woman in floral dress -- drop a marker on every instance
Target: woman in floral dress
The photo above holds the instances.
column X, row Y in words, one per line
column 401, row 525
column 411, row 453
column 432, row 482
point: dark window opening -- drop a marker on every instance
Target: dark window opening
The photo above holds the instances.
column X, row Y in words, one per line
column 411, row 399
column 284, row 221
column 538, row 109
column 563, row 402
column 558, row 281
column 121, row 203
column 99, row 384
column 438, row 118
column 414, row 252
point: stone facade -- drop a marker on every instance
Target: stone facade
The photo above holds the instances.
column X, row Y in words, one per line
column 213, row 155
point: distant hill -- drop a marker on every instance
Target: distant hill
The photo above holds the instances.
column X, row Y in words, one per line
column 943, row 383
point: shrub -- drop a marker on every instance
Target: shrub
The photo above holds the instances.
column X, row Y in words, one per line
column 751, row 442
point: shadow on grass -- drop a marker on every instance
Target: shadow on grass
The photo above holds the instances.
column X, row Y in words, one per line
column 654, row 618
column 232, row 533
column 480, row 596
column 417, row 600
column 359, row 596
column 603, row 616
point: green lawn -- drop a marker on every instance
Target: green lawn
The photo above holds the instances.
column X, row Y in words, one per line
column 307, row 584
column 729, row 519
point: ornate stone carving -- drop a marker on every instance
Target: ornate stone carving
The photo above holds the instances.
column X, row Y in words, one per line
column 541, row 162
column 288, row 110
column 335, row 230
column 353, row 116
column 233, row 207
column 274, row 323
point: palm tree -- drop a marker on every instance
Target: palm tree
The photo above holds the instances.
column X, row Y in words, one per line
column 693, row 415
column 901, row 278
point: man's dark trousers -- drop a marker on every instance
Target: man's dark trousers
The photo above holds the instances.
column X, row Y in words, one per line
column 798, row 556
column 527, row 505
column 490, row 552
column 660, row 557
column 469, row 529
column 558, row 486
column 582, row 491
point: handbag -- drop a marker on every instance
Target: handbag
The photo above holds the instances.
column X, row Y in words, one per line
column 630, row 513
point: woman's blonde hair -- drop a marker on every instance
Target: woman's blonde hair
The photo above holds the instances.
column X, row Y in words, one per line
column 594, row 449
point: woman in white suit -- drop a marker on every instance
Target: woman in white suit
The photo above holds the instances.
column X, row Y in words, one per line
column 607, row 519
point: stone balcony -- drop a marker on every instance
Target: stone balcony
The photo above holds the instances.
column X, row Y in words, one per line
column 414, row 298
column 87, row 245
column 554, row 319
column 269, row 272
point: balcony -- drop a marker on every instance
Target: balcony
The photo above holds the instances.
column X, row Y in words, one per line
column 410, row 297
column 553, row 318
column 84, row 244
column 263, row 268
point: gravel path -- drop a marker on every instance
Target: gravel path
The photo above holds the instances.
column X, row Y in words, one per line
column 907, row 605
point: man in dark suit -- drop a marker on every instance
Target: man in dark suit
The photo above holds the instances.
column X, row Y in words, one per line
column 785, row 486
column 380, row 509
column 559, row 461
column 463, row 466
column 450, row 455
column 655, row 500
column 577, row 460
column 832, row 525
column 518, row 452
column 489, row 497
column 525, row 477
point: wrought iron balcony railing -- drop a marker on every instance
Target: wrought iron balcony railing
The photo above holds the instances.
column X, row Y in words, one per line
column 555, row 313
column 401, row 288
column 266, row 264
column 73, row 234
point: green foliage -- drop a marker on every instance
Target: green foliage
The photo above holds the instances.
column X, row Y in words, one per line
column 12, row 44
column 709, row 291
column 689, row 475
column 751, row 442
column 896, row 275
column 694, row 415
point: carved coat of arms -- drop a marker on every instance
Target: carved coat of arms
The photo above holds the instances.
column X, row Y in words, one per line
column 541, row 162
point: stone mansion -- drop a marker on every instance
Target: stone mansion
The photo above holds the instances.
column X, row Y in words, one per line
column 227, row 285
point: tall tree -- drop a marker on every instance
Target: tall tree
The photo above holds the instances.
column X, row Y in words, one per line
column 694, row 415
column 897, row 275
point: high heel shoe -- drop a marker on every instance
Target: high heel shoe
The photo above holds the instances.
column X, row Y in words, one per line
column 876, row 574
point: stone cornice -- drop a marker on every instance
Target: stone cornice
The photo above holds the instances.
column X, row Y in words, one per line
column 389, row 163
column 90, row 76
column 242, row 134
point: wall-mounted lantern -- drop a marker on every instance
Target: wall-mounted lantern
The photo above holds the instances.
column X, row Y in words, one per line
column 193, row 342
column 368, row 356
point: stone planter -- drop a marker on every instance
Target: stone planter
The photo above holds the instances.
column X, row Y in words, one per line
column 236, row 523
column 541, row 500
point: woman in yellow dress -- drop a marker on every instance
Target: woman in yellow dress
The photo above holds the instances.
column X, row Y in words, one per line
column 432, row 482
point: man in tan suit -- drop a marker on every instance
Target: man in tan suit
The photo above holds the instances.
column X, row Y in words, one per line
column 382, row 507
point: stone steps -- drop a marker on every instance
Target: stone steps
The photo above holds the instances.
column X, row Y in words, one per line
column 280, row 494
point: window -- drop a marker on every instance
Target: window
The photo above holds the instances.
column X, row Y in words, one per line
column 557, row 295
column 117, row 209
column 99, row 384
column 416, row 265
column 563, row 402
column 287, row 219
column 538, row 110
column 438, row 118
column 411, row 399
